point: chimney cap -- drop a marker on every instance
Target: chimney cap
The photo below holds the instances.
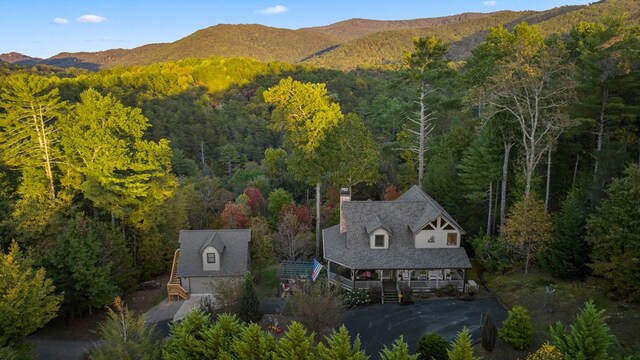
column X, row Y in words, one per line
column 345, row 191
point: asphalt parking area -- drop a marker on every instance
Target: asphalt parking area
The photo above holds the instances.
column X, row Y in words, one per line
column 380, row 325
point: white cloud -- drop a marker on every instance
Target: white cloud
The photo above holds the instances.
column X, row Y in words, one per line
column 490, row 3
column 91, row 19
column 60, row 21
column 273, row 10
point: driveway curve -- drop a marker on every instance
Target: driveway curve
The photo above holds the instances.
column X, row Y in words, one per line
column 380, row 325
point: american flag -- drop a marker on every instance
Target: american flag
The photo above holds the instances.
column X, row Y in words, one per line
column 317, row 267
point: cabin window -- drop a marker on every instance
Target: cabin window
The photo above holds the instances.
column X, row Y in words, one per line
column 452, row 239
column 379, row 241
column 211, row 258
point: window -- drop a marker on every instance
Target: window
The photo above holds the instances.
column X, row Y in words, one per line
column 452, row 239
column 211, row 258
column 379, row 241
column 432, row 239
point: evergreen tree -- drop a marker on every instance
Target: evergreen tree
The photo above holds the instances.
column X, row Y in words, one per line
column 124, row 335
column 295, row 345
column 253, row 344
column 488, row 332
column 517, row 330
column 339, row 347
column 187, row 339
column 399, row 351
column 249, row 302
column 568, row 253
column 588, row 338
column 433, row 346
column 612, row 232
column 220, row 338
column 461, row 348
column 27, row 299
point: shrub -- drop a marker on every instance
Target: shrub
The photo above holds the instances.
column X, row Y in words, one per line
column 488, row 332
column 546, row 352
column 461, row 348
column 227, row 293
column 447, row 290
column 517, row 330
column 433, row 346
column 407, row 294
column 491, row 253
column 375, row 294
column 356, row 298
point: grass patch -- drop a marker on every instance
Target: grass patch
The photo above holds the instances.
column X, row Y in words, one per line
column 267, row 286
column 563, row 305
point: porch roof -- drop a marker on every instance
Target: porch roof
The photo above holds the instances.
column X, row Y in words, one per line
column 399, row 255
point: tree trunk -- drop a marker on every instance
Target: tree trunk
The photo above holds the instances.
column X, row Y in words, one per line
column 318, row 234
column 505, row 174
column 495, row 209
column 526, row 264
column 490, row 204
column 43, row 142
column 546, row 196
column 421, row 138
column 600, row 135
column 575, row 171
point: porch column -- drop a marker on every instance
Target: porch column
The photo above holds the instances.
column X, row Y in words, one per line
column 464, row 281
column 353, row 278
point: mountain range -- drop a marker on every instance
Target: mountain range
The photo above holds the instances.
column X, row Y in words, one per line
column 344, row 45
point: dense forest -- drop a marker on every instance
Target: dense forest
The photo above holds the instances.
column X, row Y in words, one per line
column 532, row 144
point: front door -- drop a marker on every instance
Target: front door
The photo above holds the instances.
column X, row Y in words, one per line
column 388, row 275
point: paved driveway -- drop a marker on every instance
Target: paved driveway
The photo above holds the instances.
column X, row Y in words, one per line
column 380, row 325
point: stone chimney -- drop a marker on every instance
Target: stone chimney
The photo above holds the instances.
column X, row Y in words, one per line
column 345, row 195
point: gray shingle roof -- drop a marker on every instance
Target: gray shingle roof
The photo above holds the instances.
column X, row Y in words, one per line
column 233, row 246
column 375, row 223
column 403, row 217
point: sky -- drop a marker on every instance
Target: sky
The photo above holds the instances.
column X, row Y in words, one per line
column 43, row 28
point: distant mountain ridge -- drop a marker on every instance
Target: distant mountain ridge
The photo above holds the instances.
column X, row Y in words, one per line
column 345, row 45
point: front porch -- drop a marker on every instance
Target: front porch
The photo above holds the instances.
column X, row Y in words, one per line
column 418, row 280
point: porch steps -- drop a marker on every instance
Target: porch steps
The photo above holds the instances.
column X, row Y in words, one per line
column 390, row 297
column 174, row 286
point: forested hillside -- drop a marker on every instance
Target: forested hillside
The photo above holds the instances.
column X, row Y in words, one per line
column 344, row 45
column 532, row 144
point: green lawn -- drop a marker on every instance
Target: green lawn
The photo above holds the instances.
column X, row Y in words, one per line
column 563, row 305
column 267, row 285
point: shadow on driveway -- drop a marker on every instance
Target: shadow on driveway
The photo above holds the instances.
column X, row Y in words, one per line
column 380, row 325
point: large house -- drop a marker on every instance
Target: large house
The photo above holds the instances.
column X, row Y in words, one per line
column 411, row 241
column 207, row 255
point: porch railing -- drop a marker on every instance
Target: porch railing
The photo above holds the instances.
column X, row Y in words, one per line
column 416, row 285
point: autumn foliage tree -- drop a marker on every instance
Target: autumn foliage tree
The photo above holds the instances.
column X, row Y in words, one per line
column 528, row 229
column 256, row 201
column 234, row 216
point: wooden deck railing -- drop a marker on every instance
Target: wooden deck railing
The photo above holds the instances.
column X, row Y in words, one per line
column 174, row 287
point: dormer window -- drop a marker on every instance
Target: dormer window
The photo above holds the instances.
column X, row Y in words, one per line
column 379, row 241
column 211, row 258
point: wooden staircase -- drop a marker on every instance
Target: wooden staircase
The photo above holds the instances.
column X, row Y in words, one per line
column 174, row 287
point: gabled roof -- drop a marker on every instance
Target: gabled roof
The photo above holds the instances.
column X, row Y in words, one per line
column 233, row 246
column 215, row 242
column 431, row 210
column 375, row 223
column 403, row 218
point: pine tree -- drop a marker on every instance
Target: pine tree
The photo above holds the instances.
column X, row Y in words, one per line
column 399, row 351
column 339, row 347
column 249, row 303
column 433, row 346
column 568, row 253
column 124, row 335
column 295, row 345
column 612, row 232
column 27, row 299
column 461, row 348
column 588, row 338
column 517, row 330
column 488, row 332
column 220, row 339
